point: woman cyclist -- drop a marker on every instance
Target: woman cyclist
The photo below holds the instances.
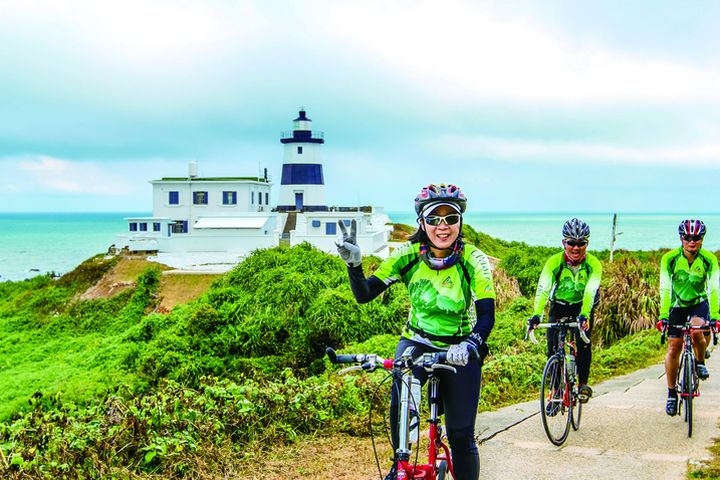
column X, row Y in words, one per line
column 570, row 279
column 445, row 277
column 688, row 288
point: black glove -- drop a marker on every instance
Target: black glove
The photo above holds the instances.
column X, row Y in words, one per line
column 533, row 322
column 583, row 322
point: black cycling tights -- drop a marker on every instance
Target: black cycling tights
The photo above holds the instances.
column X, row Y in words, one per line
column 460, row 394
column 584, row 350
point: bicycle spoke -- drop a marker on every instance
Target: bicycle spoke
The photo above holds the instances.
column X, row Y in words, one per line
column 554, row 409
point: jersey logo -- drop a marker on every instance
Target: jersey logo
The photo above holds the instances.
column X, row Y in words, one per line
column 448, row 283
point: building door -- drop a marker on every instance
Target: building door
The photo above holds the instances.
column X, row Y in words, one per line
column 298, row 201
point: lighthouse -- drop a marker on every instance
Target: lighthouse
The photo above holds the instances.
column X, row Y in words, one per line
column 302, row 187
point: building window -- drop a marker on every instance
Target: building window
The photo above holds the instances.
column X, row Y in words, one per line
column 267, row 198
column 156, row 226
column 346, row 222
column 229, row 198
column 252, row 198
column 299, row 150
column 316, row 223
column 302, row 174
column 174, row 198
column 179, row 226
column 331, row 228
column 133, row 226
column 200, row 198
column 143, row 226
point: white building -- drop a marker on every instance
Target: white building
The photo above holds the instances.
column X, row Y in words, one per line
column 193, row 215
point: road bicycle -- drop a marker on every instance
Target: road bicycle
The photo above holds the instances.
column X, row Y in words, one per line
column 439, row 462
column 687, row 382
column 560, row 405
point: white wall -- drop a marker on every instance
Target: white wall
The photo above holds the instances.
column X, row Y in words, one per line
column 185, row 210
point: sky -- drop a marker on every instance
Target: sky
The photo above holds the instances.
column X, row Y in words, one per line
column 528, row 106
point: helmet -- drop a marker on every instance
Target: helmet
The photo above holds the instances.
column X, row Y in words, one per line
column 576, row 229
column 440, row 194
column 691, row 227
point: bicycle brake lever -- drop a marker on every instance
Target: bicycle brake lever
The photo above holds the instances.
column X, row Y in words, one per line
column 349, row 369
column 443, row 367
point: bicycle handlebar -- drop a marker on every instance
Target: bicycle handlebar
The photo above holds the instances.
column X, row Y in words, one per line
column 530, row 333
column 370, row 361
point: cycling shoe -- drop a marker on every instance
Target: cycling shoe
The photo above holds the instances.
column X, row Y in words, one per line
column 702, row 371
column 671, row 406
column 584, row 393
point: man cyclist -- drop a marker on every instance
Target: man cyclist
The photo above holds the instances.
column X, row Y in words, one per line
column 570, row 280
column 689, row 288
column 445, row 277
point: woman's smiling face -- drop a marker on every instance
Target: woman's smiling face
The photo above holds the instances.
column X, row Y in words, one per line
column 442, row 236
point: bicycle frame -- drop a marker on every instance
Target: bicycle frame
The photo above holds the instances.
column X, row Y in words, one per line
column 439, row 459
column 566, row 377
column 687, row 381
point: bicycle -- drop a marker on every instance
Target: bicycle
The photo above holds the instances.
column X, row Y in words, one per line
column 439, row 462
column 560, row 405
column 687, row 382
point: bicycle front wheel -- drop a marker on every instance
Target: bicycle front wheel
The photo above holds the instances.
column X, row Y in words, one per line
column 688, row 389
column 576, row 413
column 555, row 409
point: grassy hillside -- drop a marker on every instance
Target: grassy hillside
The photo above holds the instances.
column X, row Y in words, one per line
column 110, row 385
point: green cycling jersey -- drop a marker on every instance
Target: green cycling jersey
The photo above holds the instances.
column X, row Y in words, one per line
column 440, row 299
column 684, row 284
column 562, row 282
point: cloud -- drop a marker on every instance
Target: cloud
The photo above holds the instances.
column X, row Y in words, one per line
column 63, row 176
column 700, row 155
column 459, row 51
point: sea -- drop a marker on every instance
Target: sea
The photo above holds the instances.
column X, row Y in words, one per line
column 37, row 243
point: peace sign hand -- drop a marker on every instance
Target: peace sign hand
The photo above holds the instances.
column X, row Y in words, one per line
column 347, row 245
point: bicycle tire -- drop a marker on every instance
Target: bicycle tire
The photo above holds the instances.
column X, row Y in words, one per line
column 556, row 426
column 442, row 470
column 577, row 411
column 688, row 389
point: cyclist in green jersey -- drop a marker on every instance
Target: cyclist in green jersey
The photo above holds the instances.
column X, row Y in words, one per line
column 570, row 280
column 445, row 278
column 689, row 288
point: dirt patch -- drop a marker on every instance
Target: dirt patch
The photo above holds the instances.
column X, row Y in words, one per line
column 179, row 288
column 338, row 457
column 175, row 288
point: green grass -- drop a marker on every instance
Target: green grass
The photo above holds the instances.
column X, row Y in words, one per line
column 118, row 391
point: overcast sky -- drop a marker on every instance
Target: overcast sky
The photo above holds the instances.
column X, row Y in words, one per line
column 551, row 105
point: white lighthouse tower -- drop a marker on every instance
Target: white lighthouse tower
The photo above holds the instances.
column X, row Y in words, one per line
column 302, row 187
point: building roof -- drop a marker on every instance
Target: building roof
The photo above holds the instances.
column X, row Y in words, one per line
column 212, row 179
column 232, row 222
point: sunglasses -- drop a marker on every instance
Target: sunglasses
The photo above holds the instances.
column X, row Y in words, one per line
column 576, row 243
column 436, row 220
column 692, row 238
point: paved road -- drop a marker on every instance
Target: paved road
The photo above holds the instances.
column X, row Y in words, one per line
column 625, row 433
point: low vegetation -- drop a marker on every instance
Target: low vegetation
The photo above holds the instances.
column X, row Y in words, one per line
column 112, row 386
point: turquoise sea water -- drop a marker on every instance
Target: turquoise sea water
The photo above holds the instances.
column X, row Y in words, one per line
column 635, row 231
column 32, row 243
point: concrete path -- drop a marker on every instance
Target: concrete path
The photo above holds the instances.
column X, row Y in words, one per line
column 624, row 433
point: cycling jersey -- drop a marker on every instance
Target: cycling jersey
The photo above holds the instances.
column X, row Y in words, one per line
column 568, row 285
column 684, row 285
column 440, row 299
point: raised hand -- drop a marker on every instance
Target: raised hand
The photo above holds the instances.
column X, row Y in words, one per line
column 347, row 246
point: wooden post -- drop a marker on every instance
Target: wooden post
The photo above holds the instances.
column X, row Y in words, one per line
column 612, row 239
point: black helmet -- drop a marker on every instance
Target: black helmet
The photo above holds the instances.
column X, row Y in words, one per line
column 576, row 229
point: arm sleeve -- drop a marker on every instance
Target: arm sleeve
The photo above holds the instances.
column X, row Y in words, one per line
column 485, row 309
column 592, row 286
column 364, row 289
column 665, row 287
column 714, row 288
column 545, row 285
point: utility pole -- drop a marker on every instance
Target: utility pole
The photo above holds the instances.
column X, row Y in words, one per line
column 612, row 240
